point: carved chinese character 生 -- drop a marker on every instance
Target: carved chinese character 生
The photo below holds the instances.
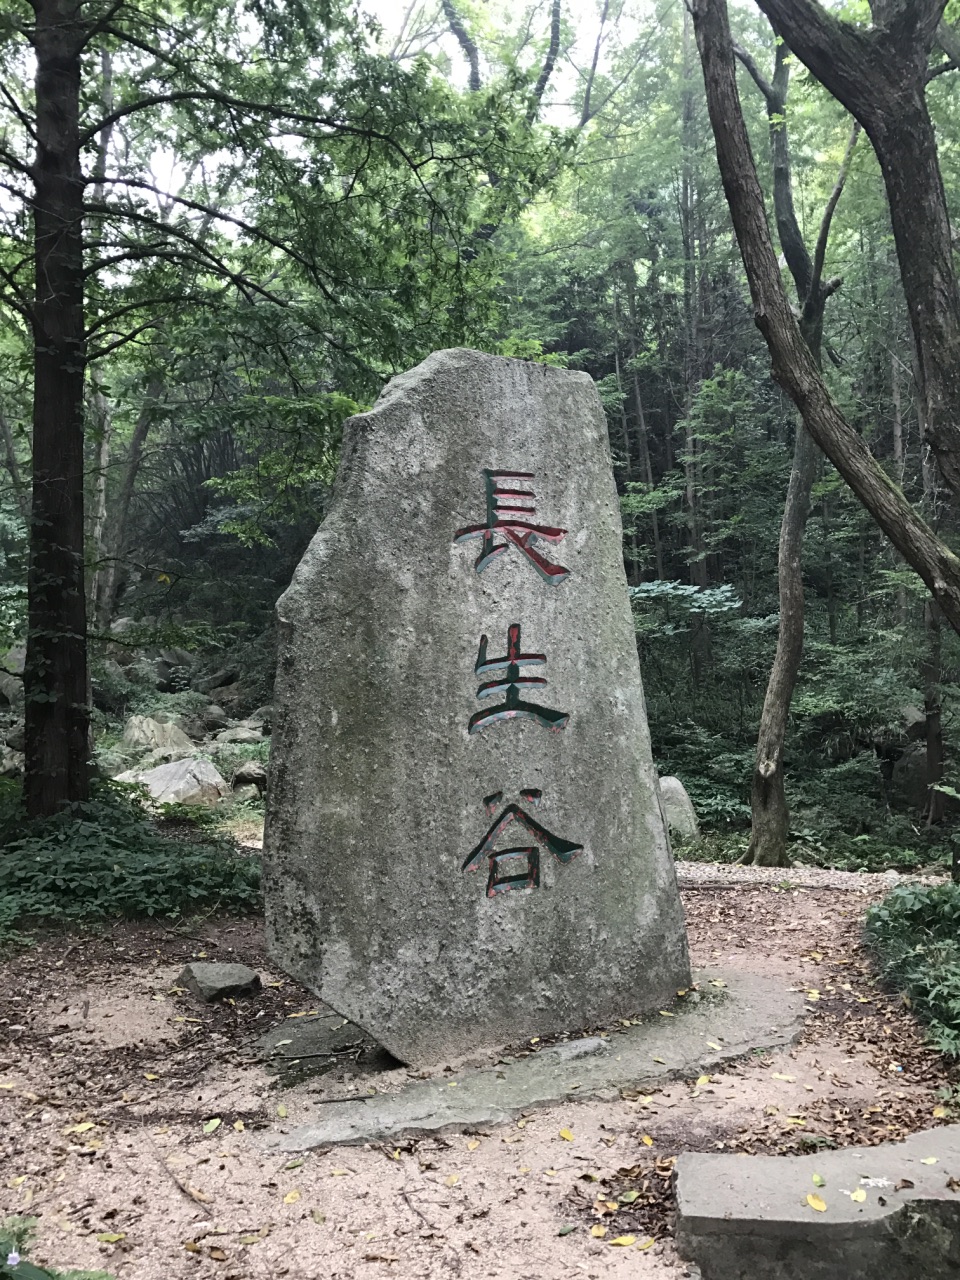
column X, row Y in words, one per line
column 508, row 515
column 517, row 867
column 510, row 683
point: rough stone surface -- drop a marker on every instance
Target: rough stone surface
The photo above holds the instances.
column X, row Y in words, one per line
column 240, row 733
column 752, row 1013
column 181, row 782
column 140, row 733
column 678, row 808
column 743, row 1217
column 378, row 786
column 213, row 981
column 250, row 774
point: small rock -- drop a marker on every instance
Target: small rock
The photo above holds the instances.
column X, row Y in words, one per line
column 210, row 980
column 678, row 808
column 240, row 734
column 15, row 738
column 214, row 717
column 250, row 773
column 568, row 1050
column 11, row 763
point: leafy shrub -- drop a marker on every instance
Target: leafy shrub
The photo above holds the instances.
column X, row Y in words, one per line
column 106, row 858
column 915, row 934
column 16, row 1235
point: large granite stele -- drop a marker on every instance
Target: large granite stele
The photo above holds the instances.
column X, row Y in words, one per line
column 464, row 841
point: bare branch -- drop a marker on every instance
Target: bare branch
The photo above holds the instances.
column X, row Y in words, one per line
column 586, row 115
column 820, row 251
column 765, row 87
column 551, row 57
column 466, row 42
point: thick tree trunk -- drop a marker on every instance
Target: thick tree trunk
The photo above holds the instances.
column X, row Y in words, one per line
column 793, row 366
column 55, row 676
column 880, row 77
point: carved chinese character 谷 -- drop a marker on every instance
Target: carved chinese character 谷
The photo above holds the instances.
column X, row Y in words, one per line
column 517, row 867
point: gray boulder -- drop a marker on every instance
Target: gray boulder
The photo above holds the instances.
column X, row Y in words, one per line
column 11, row 763
column 181, row 782
column 240, row 734
column 214, row 717
column 11, row 689
column 213, row 981
column 15, row 738
column 141, row 733
column 226, row 676
column 250, row 774
column 678, row 808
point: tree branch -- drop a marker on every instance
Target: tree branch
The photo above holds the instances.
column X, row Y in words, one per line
column 549, row 62
column 586, row 115
column 793, row 365
column 820, row 251
column 467, row 44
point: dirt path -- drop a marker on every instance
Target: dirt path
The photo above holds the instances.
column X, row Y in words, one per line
column 109, row 1079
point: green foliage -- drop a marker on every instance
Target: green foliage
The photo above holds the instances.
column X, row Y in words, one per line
column 915, row 934
column 16, row 1235
column 106, row 859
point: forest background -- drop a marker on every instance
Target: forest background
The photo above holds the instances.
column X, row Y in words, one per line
column 287, row 204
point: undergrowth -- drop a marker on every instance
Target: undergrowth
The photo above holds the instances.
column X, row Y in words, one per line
column 106, row 858
column 914, row 934
column 16, row 1236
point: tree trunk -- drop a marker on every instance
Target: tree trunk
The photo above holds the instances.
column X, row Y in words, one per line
column 770, row 817
column 20, row 490
column 104, row 415
column 793, row 366
column 55, row 675
column 109, row 579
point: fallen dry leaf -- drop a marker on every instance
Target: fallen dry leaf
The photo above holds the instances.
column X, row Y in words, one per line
column 859, row 1195
column 624, row 1241
column 291, row 1197
column 598, row 1232
column 566, row 1135
column 815, row 1202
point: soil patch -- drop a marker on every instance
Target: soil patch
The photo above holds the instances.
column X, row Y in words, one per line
column 112, row 1080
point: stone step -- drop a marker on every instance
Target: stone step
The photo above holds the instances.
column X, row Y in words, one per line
column 749, row 1217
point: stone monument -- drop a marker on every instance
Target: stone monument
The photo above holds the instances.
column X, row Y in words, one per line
column 464, row 841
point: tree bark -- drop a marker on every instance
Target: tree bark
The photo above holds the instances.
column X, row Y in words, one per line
column 55, row 676
column 20, row 490
column 793, row 366
column 880, row 76
column 109, row 578
column 770, row 815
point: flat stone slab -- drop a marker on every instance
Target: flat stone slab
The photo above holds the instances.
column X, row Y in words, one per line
column 215, row 981
column 751, row 1012
column 744, row 1217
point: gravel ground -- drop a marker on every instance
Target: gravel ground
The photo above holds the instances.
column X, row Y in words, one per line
column 720, row 874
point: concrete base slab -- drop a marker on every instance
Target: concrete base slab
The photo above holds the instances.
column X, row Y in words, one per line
column 743, row 1217
column 749, row 1012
